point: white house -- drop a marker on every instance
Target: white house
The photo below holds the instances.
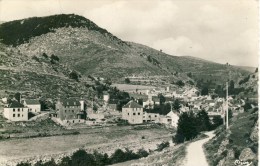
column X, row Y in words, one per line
column 133, row 113
column 149, row 102
column 165, row 120
column 16, row 111
column 33, row 105
column 106, row 97
column 151, row 117
column 174, row 117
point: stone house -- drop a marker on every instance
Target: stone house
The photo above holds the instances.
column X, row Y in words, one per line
column 132, row 112
column 33, row 105
column 70, row 110
column 16, row 111
column 151, row 117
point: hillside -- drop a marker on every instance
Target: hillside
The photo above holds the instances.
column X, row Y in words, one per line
column 239, row 142
column 36, row 76
column 83, row 46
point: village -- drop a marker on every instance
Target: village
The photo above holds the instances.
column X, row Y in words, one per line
column 147, row 104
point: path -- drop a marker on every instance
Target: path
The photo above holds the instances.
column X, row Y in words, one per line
column 195, row 154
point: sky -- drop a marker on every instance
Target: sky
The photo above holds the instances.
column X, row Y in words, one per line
column 217, row 30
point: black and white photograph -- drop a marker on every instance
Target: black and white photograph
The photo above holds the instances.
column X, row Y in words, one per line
column 129, row 82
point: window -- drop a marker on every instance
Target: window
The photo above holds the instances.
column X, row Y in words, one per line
column 18, row 109
column 22, row 115
column 65, row 111
column 127, row 113
column 138, row 113
column 155, row 115
column 22, row 109
column 73, row 111
column 13, row 109
column 13, row 115
column 18, row 115
column 133, row 113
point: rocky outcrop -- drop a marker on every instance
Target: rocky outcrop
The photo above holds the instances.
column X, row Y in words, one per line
column 247, row 154
column 254, row 134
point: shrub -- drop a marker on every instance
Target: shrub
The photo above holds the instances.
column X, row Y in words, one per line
column 127, row 80
column 162, row 146
column 65, row 161
column 142, row 153
column 36, row 58
column 74, row 75
column 54, row 57
column 180, row 83
column 82, row 158
column 45, row 55
column 24, row 164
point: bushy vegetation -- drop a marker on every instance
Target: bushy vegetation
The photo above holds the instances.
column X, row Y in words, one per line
column 190, row 125
column 180, row 83
column 162, row 109
column 127, row 80
column 74, row 75
column 83, row 158
column 20, row 31
column 162, row 146
column 246, row 79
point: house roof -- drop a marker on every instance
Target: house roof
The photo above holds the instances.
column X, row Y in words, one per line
column 15, row 104
column 32, row 102
column 132, row 104
column 70, row 102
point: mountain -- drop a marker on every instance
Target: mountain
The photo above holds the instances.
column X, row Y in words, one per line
column 84, row 47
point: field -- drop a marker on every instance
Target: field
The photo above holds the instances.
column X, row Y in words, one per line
column 132, row 88
column 106, row 139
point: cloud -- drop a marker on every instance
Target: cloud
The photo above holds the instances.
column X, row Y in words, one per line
column 178, row 46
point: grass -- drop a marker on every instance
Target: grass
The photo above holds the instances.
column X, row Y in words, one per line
column 102, row 139
column 240, row 129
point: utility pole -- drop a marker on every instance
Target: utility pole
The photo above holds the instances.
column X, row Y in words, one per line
column 227, row 106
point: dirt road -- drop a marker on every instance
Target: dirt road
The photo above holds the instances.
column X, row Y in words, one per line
column 195, row 154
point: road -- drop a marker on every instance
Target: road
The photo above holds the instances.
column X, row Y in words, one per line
column 195, row 154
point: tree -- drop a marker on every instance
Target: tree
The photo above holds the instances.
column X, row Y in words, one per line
column 18, row 96
column 230, row 114
column 162, row 98
column 231, row 88
column 186, row 129
column 217, row 121
column 117, row 156
column 247, row 106
column 45, row 55
column 74, row 75
column 204, row 91
column 202, row 121
column 24, row 164
column 127, row 80
column 177, row 105
column 54, row 57
column 82, row 158
column 65, row 161
column 180, row 83
column 189, row 74
column 101, row 159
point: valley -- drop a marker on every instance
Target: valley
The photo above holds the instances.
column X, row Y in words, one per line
column 70, row 87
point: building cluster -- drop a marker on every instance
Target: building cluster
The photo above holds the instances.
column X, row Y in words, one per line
column 74, row 110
